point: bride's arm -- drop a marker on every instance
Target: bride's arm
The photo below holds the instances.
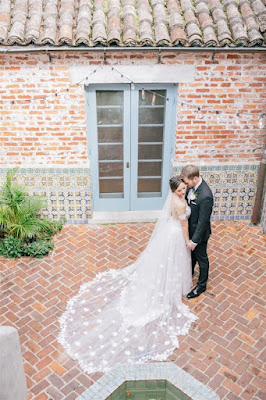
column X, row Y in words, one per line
column 184, row 225
column 181, row 212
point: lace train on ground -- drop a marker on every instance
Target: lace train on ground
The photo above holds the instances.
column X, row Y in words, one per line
column 134, row 314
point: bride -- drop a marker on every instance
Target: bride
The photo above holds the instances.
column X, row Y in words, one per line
column 135, row 314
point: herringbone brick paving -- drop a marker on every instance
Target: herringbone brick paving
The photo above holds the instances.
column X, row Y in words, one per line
column 224, row 349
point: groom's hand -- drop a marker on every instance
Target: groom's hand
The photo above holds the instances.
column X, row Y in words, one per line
column 191, row 245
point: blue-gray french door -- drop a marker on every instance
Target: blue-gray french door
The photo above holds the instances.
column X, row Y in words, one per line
column 130, row 142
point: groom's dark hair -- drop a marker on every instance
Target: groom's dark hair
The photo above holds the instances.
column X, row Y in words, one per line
column 189, row 172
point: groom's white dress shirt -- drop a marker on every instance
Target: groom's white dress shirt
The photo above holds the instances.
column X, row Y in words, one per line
column 196, row 187
column 193, row 190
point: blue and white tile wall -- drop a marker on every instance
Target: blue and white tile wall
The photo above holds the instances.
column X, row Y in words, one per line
column 234, row 189
column 68, row 190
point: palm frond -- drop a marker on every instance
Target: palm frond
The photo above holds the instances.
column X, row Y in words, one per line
column 25, row 229
column 20, row 213
column 12, row 194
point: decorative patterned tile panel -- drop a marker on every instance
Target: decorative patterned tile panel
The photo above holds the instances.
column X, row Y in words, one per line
column 234, row 189
column 68, row 190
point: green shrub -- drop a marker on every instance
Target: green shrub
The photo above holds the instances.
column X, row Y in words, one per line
column 52, row 228
column 22, row 221
column 11, row 247
column 37, row 249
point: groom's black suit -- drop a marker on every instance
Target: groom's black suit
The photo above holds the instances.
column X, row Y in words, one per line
column 200, row 230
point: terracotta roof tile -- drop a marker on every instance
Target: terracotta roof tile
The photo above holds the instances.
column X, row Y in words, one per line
column 133, row 23
column 145, row 22
column 49, row 22
column 66, row 21
column 5, row 18
column 160, row 23
column 220, row 20
column 176, row 24
column 33, row 26
column 83, row 29
column 17, row 32
column 260, row 11
column 206, row 23
column 236, row 22
column 114, row 22
column 99, row 34
column 130, row 29
column 192, row 23
column 254, row 35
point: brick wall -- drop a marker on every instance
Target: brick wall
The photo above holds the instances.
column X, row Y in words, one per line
column 234, row 83
column 54, row 133
column 47, row 138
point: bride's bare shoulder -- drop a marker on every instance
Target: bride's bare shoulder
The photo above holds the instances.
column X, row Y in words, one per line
column 179, row 205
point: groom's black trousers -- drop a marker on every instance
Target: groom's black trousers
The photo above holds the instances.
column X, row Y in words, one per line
column 200, row 254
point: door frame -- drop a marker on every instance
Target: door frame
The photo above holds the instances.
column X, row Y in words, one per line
column 99, row 204
column 130, row 138
column 168, row 147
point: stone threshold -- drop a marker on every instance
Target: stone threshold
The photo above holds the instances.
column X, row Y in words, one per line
column 115, row 217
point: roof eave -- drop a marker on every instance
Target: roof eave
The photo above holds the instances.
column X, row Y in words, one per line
column 195, row 49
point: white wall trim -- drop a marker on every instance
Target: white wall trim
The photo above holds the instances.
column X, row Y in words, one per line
column 135, row 73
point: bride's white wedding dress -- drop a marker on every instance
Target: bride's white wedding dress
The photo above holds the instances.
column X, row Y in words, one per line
column 134, row 314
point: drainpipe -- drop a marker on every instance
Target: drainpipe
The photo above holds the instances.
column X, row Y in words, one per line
column 259, row 194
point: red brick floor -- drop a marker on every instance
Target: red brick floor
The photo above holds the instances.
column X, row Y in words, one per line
column 224, row 349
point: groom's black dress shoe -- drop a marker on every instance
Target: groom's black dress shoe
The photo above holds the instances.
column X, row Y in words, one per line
column 195, row 292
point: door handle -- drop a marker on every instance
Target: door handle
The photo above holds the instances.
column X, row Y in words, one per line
column 127, row 165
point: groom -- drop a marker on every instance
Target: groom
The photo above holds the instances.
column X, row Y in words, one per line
column 200, row 199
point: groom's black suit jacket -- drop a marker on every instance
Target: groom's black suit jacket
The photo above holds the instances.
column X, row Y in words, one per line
column 201, row 209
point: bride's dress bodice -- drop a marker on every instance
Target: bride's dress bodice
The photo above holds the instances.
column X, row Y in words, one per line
column 175, row 211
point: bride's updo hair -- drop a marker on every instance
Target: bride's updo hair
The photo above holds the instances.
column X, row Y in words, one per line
column 174, row 182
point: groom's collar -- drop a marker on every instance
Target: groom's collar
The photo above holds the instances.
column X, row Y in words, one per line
column 197, row 186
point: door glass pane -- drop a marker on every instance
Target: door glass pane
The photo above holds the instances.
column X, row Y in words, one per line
column 109, row 116
column 150, row 133
column 111, row 188
column 110, row 152
column 150, row 143
column 109, row 98
column 150, row 151
column 148, row 115
column 110, row 134
column 110, row 169
column 150, row 168
column 149, row 187
column 159, row 100
column 110, row 111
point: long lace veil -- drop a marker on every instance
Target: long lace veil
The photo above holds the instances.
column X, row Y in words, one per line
column 164, row 216
column 134, row 314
